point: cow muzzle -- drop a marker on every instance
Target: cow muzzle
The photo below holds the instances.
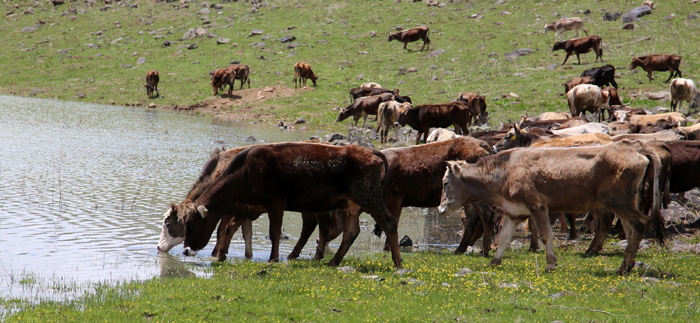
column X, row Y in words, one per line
column 189, row 252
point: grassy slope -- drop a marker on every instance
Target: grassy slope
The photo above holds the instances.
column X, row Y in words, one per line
column 334, row 37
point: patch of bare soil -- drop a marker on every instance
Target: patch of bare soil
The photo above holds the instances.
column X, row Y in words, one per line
column 250, row 99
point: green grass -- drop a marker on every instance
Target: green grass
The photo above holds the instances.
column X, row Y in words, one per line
column 581, row 290
column 334, row 37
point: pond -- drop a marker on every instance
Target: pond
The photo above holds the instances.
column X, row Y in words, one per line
column 83, row 189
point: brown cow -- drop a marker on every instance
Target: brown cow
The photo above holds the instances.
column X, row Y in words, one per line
column 537, row 181
column 301, row 177
column 302, row 71
column 576, row 81
column 517, row 137
column 426, row 116
column 660, row 63
column 219, row 78
column 364, row 106
column 581, row 46
column 359, row 92
column 477, row 107
column 411, row 35
column 238, row 72
column 152, row 79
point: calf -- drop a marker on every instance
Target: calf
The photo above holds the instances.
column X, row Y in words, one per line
column 426, row 116
column 587, row 98
column 602, row 76
column 302, row 71
column 239, row 72
column 536, row 181
column 387, row 115
column 152, row 79
column 683, row 90
column 477, row 107
column 577, row 81
column 411, row 35
column 581, row 46
column 364, row 106
column 658, row 62
column 300, row 177
column 565, row 24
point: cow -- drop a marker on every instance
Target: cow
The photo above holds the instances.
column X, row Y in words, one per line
column 239, row 72
column 387, row 116
column 359, row 92
column 371, row 85
column 591, row 127
column 587, row 98
column 602, row 76
column 152, row 79
column 491, row 137
column 519, row 137
column 650, row 120
column 477, row 107
column 660, row 63
column 426, row 116
column 302, row 71
column 219, row 78
column 300, row 177
column 534, row 182
column 581, row 46
column 576, row 81
column 565, row 24
column 411, row 35
column 441, row 134
column 683, row 90
column 623, row 113
column 661, row 136
column 548, row 116
column 364, row 106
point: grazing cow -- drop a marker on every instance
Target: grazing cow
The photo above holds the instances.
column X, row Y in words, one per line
column 603, row 76
column 660, row 63
column 239, row 72
column 387, row 115
column 577, row 81
column 441, row 134
column 364, row 106
column 411, row 35
column 581, row 46
column 426, row 116
column 650, row 120
column 534, row 182
column 565, row 24
column 683, row 90
column 477, row 107
column 300, row 177
column 302, row 71
column 152, row 80
column 587, row 98
column 219, row 78
column 662, row 136
column 359, row 92
column 371, row 85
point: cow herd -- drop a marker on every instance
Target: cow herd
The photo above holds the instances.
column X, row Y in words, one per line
column 623, row 166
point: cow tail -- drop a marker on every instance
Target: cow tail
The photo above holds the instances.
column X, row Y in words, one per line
column 655, row 211
column 427, row 37
column 377, row 229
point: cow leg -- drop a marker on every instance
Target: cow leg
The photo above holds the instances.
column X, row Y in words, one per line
column 470, row 228
column 540, row 220
column 603, row 221
column 579, row 58
column 670, row 76
column 566, row 58
column 504, row 238
column 572, row 225
column 487, row 224
column 308, row 225
column 324, row 225
column 221, row 235
column 351, row 229
column 247, row 231
column 649, row 76
column 275, row 215
column 231, row 226
column 534, row 233
column 634, row 227
column 404, row 46
column 418, row 137
column 393, row 204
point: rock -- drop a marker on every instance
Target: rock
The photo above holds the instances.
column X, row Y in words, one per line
column 292, row 46
column 412, row 281
column 658, row 96
column 201, row 31
column 650, row 280
column 251, row 139
column 611, row 16
column 192, row 46
column 126, row 66
column 587, row 12
column 507, row 285
column 166, row 43
column 190, row 34
column 512, row 95
column 28, row 29
column 671, row 16
column 506, row 12
column 628, row 26
column 693, row 16
column 406, row 241
column 115, row 41
column 287, row 39
column 436, row 53
column 152, row 105
column 492, row 54
column 518, row 52
column 299, row 121
column 346, row 269
column 92, row 46
column 636, row 13
column 141, row 60
column 560, row 294
column 259, row 45
column 204, row 11
column 552, row 67
column 372, row 34
column 412, row 70
column 680, row 246
column 463, row 271
column 515, row 245
column 403, row 271
column 255, row 32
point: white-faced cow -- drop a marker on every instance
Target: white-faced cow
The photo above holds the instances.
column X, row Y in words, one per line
column 152, row 79
column 411, row 35
column 302, row 71
column 534, row 182
column 565, row 24
column 301, row 177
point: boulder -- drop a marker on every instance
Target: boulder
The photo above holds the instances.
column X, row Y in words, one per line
column 636, row 13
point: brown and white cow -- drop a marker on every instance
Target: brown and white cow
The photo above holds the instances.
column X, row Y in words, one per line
column 302, row 71
column 411, row 35
column 387, row 116
column 301, row 177
column 660, row 63
column 364, row 106
column 683, row 90
column 152, row 79
column 477, row 107
column 581, row 46
column 587, row 98
column 565, row 24
column 426, row 116
column 577, row 81
column 534, row 182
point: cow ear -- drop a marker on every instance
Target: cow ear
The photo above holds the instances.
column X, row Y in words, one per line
column 202, row 211
column 454, row 167
column 516, row 128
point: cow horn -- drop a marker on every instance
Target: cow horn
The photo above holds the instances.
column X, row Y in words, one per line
column 202, row 211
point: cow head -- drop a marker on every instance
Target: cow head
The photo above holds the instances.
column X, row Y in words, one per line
column 510, row 140
column 392, row 36
column 173, row 232
column 559, row 45
column 344, row 114
column 548, row 27
column 453, row 189
column 198, row 226
column 635, row 63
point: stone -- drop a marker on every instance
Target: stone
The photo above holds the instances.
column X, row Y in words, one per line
column 412, row 281
column 287, row 39
column 636, row 13
column 412, row 70
column 201, row 31
column 28, row 29
column 204, row 11
column 255, row 32
column 192, row 46
column 671, row 16
column 190, row 34
column 166, row 43
column 518, row 52
column 436, row 53
column 403, row 271
column 152, row 105
column 628, row 26
column 463, row 271
column 140, row 60
column 222, row 41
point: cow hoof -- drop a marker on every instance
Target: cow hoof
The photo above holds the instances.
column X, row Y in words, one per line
column 550, row 269
column 589, row 254
column 495, row 262
column 221, row 258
